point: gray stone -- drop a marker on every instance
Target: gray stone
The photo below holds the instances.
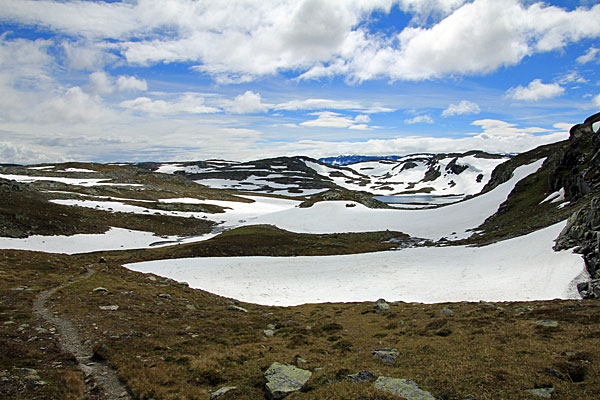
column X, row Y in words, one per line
column 218, row 393
column 301, row 362
column 283, row 380
column 165, row 296
column 237, row 308
column 550, row 324
column 269, row 333
column 381, row 305
column 363, row 376
column 387, row 354
column 446, row 311
column 545, row 393
column 100, row 290
column 109, row 308
column 402, row 388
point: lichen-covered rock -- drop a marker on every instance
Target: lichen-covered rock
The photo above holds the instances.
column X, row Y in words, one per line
column 403, row 388
column 237, row 308
column 387, row 354
column 381, row 305
column 218, row 393
column 283, row 379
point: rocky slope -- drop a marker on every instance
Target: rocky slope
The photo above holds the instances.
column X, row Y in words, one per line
column 577, row 170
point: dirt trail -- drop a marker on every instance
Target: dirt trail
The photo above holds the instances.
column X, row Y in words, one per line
column 71, row 342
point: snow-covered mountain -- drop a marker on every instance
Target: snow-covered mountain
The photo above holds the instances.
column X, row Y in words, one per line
column 456, row 175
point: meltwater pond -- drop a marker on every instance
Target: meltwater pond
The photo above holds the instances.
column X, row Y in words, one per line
column 425, row 199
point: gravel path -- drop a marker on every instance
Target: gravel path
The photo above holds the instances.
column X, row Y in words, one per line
column 71, row 342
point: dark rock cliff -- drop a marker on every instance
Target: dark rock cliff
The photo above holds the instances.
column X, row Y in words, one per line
column 577, row 170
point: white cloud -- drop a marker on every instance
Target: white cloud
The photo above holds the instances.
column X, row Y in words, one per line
column 536, row 90
column 237, row 40
column 72, row 106
column 87, row 55
column 589, row 56
column 419, row 119
column 102, row 83
column 327, row 104
column 329, row 119
column 596, row 100
column 131, row 84
column 464, row 107
column 247, row 103
column 571, row 77
column 189, row 103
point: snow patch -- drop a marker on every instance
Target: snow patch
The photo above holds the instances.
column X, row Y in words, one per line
column 519, row 269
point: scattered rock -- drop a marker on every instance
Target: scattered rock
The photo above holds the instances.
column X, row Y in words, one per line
column 220, row 392
column 102, row 260
column 381, row 305
column 100, row 290
column 589, row 289
column 548, row 323
column 387, row 354
column 284, row 379
column 165, row 296
column 545, row 393
column 109, row 308
column 152, row 278
column 271, row 326
column 300, row 362
column 237, row 308
column 403, row 388
column 269, row 333
column 446, row 311
column 190, row 307
column 363, row 376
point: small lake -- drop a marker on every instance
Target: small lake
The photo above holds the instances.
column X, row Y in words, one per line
column 429, row 199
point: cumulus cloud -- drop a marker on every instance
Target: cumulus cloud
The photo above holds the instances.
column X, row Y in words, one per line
column 596, row 101
column 237, row 41
column 536, row 90
column 419, row 119
column 247, row 103
column 131, row 84
column 103, row 84
column 464, row 107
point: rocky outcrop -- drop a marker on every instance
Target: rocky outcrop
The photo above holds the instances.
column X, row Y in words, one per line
column 577, row 171
column 577, row 168
column 283, row 380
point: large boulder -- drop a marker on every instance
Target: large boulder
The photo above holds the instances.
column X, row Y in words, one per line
column 283, row 379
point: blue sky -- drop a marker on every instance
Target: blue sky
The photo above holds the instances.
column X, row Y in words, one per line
column 180, row 80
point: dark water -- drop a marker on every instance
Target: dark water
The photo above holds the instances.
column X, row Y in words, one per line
column 418, row 198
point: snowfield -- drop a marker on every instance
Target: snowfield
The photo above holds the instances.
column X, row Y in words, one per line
column 453, row 221
column 113, row 239
column 523, row 268
column 67, row 181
